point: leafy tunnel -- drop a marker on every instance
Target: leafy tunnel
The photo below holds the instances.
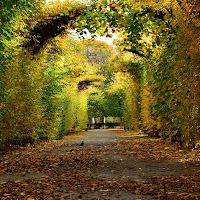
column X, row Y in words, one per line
column 51, row 80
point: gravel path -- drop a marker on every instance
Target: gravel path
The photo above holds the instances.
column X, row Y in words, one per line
column 98, row 137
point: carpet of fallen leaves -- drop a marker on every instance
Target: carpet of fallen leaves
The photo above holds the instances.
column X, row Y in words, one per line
column 59, row 170
column 158, row 149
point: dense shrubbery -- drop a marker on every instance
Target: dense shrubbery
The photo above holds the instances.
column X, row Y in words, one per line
column 169, row 93
column 164, row 39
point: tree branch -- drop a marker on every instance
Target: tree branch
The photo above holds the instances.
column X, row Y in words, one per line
column 47, row 30
column 135, row 52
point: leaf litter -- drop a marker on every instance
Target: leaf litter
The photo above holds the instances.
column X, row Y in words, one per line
column 129, row 169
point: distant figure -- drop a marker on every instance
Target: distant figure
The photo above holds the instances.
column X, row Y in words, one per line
column 82, row 143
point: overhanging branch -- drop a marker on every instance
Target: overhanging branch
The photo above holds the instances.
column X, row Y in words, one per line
column 48, row 29
column 135, row 52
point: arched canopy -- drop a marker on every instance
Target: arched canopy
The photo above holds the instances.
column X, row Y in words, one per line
column 137, row 19
column 47, row 29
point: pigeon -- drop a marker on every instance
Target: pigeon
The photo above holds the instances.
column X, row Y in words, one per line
column 82, row 143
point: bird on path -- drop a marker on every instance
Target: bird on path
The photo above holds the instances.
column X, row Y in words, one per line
column 82, row 143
